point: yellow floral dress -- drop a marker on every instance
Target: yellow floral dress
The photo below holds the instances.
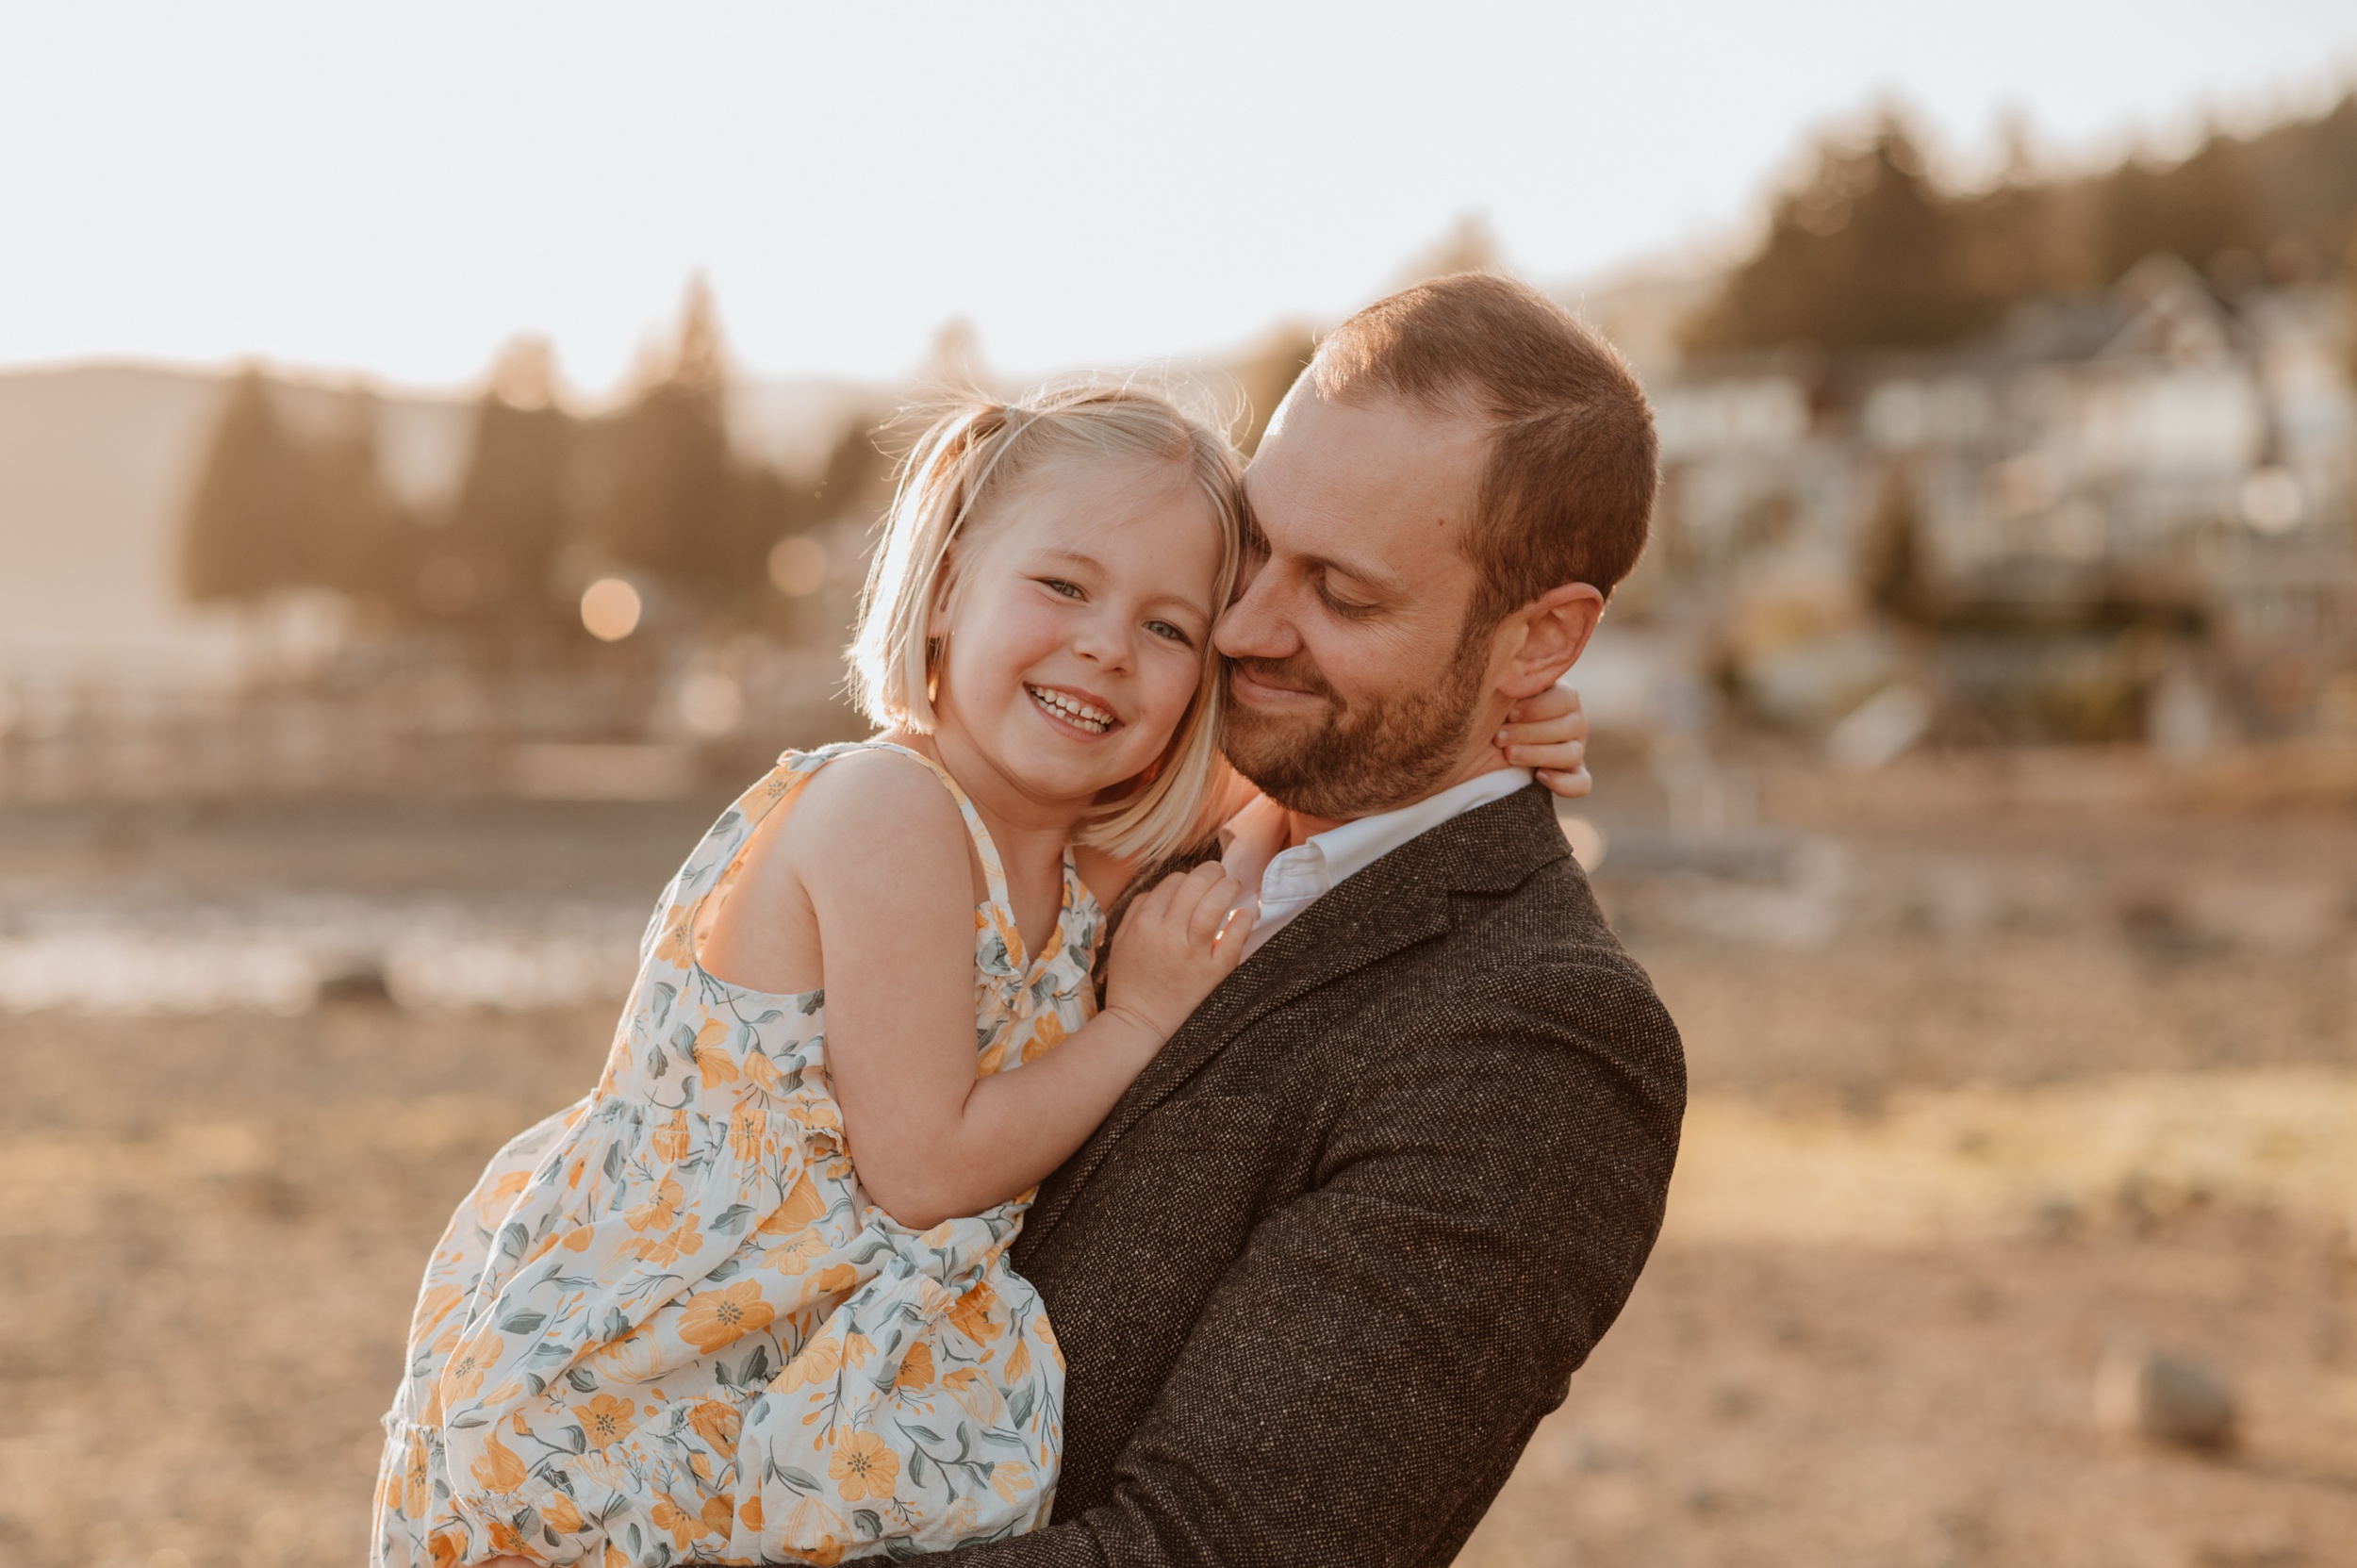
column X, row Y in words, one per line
column 668, row 1325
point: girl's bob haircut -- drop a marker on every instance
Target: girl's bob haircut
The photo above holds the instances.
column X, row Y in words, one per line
column 982, row 449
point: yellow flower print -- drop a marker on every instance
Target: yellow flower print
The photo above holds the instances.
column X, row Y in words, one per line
column 492, row 1202
column 600, row 1469
column 434, row 1306
column 750, row 1511
column 716, row 1319
column 685, row 1526
column 658, row 1212
column 820, row 1360
column 1010, row 1477
column 445, row 1545
column 677, row 945
column 463, row 1377
column 857, row 1347
column 711, row 1054
column 670, row 1141
column 717, row 1423
column 762, row 1072
column 836, row 1279
column 917, row 1368
column 795, row 1256
column 975, row 1393
column 802, row 1208
column 1048, row 1337
column 683, row 1239
column 814, row 1532
column 560, row 1515
column 976, row 1314
column 632, row 1357
column 863, row 1467
column 415, row 1479
column 747, row 1124
column 606, row 1420
column 616, row 1557
column 498, row 1469
column 1018, row 1363
column 1045, row 1038
column 962, row 1517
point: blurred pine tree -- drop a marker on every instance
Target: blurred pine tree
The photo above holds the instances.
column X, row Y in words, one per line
column 244, row 533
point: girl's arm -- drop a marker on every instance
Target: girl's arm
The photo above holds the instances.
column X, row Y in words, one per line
column 879, row 853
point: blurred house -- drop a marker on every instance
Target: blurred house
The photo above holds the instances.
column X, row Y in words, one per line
column 2128, row 515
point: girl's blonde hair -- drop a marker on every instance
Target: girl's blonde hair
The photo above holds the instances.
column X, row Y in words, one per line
column 982, row 449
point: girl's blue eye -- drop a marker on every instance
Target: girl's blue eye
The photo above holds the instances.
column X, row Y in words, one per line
column 1058, row 586
column 1164, row 629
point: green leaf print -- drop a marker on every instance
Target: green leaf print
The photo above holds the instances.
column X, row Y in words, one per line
column 1019, row 1405
column 657, row 1063
column 583, row 1380
column 524, row 1323
column 732, row 1219
column 866, row 1524
column 613, row 1163
column 813, row 1002
column 665, row 995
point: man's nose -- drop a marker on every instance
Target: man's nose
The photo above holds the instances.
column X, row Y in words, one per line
column 1255, row 626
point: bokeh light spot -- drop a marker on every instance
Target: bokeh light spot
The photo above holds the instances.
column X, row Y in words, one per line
column 609, row 608
column 797, row 565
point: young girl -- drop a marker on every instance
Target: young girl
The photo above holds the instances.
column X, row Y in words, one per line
column 673, row 1321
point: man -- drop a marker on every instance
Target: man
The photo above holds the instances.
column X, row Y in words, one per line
column 1342, row 1245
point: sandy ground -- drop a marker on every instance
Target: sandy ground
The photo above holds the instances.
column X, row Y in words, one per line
column 1976, row 1094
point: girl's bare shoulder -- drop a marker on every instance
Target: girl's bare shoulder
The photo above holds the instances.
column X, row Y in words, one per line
column 879, row 813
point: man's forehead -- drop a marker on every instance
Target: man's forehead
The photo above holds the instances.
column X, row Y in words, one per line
column 1333, row 471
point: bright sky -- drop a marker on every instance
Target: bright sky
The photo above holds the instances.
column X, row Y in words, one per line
column 398, row 187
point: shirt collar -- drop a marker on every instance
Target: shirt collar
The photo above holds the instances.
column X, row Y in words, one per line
column 1343, row 852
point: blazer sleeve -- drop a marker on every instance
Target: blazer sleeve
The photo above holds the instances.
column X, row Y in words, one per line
column 1363, row 1378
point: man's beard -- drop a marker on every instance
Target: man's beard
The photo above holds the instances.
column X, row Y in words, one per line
column 1358, row 759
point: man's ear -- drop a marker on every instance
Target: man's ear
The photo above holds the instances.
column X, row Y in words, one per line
column 1553, row 630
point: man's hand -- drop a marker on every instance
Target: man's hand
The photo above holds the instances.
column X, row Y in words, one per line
column 1548, row 734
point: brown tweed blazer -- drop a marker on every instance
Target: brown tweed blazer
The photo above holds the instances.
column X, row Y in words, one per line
column 1346, row 1240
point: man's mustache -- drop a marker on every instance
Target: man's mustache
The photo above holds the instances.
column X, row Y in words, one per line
column 1297, row 672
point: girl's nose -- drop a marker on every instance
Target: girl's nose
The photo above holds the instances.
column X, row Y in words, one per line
column 1103, row 642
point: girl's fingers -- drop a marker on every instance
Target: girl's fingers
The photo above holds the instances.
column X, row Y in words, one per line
column 1562, row 757
column 1217, row 902
column 1557, row 701
column 1571, row 729
column 1569, row 785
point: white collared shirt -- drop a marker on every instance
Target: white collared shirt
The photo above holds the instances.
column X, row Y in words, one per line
column 1300, row 876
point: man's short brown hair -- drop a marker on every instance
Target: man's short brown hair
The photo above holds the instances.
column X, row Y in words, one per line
column 1568, row 488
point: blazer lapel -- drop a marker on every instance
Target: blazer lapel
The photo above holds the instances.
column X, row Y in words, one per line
column 1399, row 902
column 1365, row 920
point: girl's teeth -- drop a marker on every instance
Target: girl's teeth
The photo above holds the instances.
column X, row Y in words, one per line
column 1078, row 712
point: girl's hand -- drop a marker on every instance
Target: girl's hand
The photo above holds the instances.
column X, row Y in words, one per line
column 1548, row 734
column 1180, row 938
